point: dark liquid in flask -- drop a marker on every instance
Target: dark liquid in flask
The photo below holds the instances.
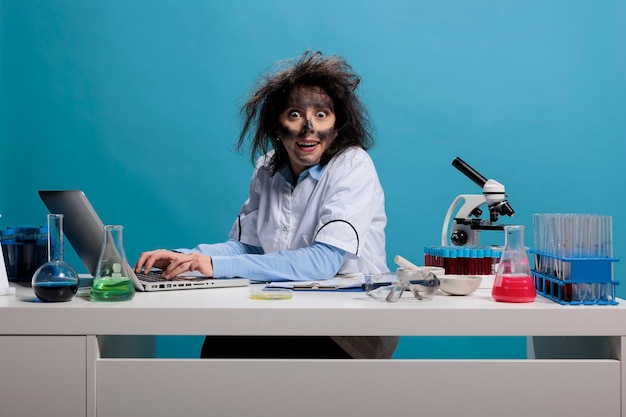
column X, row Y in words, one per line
column 55, row 291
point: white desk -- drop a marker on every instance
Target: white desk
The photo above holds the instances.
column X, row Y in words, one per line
column 51, row 362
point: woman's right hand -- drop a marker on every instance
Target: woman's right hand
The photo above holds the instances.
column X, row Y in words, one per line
column 158, row 258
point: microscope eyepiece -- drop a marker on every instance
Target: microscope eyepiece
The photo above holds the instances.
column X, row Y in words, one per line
column 469, row 172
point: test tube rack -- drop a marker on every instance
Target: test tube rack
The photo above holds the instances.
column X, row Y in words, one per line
column 463, row 260
column 575, row 281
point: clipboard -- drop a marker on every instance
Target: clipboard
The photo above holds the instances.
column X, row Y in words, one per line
column 348, row 282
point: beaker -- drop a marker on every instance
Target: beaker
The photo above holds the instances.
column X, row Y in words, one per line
column 112, row 280
column 514, row 282
column 55, row 280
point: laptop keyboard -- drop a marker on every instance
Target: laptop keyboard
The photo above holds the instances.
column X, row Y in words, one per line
column 155, row 276
column 152, row 276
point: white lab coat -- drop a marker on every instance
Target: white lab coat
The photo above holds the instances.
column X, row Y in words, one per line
column 343, row 207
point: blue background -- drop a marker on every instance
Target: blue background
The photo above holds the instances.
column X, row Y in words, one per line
column 135, row 102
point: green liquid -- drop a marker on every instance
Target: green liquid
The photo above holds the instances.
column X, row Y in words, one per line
column 112, row 289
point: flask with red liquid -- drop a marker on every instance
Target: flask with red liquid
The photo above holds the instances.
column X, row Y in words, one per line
column 514, row 282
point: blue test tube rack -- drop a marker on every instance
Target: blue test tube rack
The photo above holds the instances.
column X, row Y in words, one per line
column 591, row 276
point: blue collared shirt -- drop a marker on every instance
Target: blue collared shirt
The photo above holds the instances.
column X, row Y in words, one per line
column 235, row 259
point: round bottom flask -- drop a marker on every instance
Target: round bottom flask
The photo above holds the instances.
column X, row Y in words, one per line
column 55, row 280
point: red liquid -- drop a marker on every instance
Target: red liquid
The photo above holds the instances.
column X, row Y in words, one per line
column 514, row 289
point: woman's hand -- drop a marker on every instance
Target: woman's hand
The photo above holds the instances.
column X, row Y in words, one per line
column 174, row 263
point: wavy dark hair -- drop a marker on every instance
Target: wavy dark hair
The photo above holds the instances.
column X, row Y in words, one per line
column 334, row 76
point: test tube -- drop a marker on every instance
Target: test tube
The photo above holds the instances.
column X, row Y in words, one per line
column 473, row 264
column 453, row 266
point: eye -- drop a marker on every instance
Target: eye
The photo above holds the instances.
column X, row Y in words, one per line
column 293, row 114
column 321, row 114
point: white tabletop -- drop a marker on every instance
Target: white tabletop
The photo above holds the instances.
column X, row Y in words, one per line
column 231, row 311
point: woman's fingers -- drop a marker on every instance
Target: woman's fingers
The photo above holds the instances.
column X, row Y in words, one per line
column 188, row 263
column 159, row 258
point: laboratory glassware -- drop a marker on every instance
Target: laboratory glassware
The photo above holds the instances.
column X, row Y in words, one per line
column 112, row 281
column 55, row 280
column 514, row 282
column 25, row 248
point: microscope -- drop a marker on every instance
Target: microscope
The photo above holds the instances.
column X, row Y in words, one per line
column 467, row 224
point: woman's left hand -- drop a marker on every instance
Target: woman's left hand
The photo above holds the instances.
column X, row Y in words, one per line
column 186, row 263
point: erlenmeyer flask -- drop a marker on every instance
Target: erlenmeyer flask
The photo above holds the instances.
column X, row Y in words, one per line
column 514, row 282
column 112, row 281
column 55, row 280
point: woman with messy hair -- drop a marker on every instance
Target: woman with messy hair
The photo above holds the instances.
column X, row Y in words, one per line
column 315, row 207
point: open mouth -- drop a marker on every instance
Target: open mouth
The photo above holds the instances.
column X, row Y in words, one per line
column 307, row 145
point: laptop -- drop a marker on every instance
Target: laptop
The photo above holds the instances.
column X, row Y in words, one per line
column 84, row 230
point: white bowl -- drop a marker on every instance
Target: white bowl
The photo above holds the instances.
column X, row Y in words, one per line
column 459, row 284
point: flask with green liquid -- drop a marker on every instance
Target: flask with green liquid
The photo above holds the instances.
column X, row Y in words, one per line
column 112, row 281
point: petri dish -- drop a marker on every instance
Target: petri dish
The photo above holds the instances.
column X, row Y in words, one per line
column 271, row 294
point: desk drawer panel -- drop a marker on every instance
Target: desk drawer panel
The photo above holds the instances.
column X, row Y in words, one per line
column 239, row 388
column 43, row 376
